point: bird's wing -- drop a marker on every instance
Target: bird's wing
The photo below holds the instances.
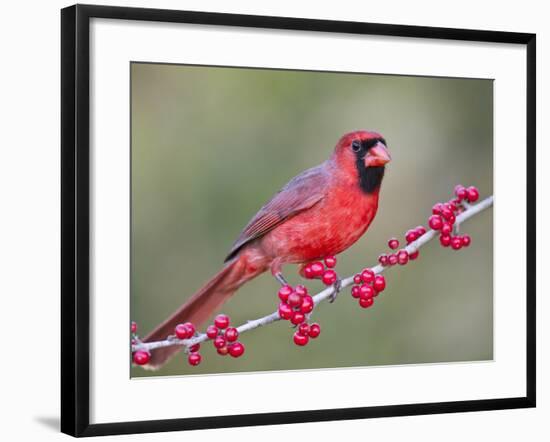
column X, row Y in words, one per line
column 300, row 193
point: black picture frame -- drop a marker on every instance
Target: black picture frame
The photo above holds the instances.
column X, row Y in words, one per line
column 75, row 212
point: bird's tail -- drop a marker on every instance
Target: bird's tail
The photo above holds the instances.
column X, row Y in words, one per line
column 198, row 308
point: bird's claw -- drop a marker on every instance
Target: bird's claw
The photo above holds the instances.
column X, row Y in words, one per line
column 279, row 277
column 337, row 289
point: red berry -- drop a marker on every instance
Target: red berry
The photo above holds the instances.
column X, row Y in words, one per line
column 450, row 205
column 367, row 275
column 414, row 255
column 392, row 259
column 317, row 268
column 357, row 279
column 141, row 357
column 284, row 292
column 436, row 209
column 466, row 240
column 402, row 257
column 329, row 277
column 221, row 321
column 307, row 304
column 212, row 331
column 456, row 242
column 222, row 351
column 446, row 213
column 236, row 349
column 473, row 194
column 301, row 290
column 231, row 334
column 183, row 331
column 420, row 230
column 219, row 342
column 133, row 327
column 297, row 318
column 308, row 272
column 194, row 359
column 445, row 240
column 446, row 229
column 195, row 348
column 366, row 302
column 460, row 192
column 379, row 283
column 285, row 311
column 314, row 330
column 393, row 243
column 383, row 260
column 451, row 218
column 435, row 222
column 191, row 327
column 411, row 235
column 300, row 339
column 330, row 262
column 366, row 291
column 294, row 300
column 356, row 291
column 303, row 329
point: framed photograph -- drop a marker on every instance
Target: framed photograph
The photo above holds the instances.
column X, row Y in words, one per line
column 309, row 219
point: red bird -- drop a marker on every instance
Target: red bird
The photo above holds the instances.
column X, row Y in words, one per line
column 320, row 212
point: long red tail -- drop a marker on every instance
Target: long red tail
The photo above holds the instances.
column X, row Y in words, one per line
column 198, row 308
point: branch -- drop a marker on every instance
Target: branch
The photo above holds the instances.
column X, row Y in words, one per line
column 471, row 210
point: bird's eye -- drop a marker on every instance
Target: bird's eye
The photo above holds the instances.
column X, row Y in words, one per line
column 356, row 145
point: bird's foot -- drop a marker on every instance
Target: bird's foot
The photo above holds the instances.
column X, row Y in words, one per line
column 279, row 277
column 337, row 289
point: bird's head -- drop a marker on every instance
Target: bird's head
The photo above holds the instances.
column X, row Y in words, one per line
column 362, row 155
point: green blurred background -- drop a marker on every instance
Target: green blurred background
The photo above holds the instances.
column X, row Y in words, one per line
column 211, row 145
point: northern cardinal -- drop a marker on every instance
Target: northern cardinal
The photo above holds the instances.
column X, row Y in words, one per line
column 320, row 212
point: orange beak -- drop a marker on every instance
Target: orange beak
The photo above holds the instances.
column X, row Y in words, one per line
column 377, row 156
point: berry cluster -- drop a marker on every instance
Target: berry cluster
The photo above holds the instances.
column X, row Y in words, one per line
column 225, row 337
column 187, row 331
column 306, row 331
column 444, row 216
column 402, row 257
column 296, row 304
column 317, row 270
column 367, row 286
